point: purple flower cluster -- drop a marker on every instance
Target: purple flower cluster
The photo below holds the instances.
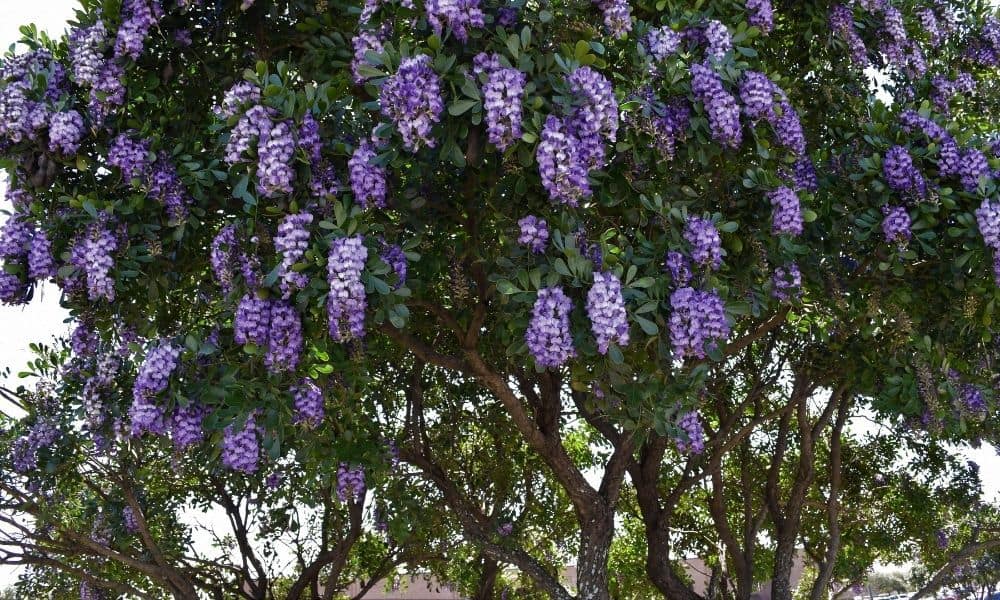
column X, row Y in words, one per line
column 292, row 241
column 252, row 322
column 617, row 16
column 276, row 143
column 41, row 265
column 943, row 89
column 254, row 124
column 346, row 302
column 457, row 15
column 606, row 310
column 237, row 98
column 13, row 291
column 350, row 482
column 309, row 138
column 760, row 15
column 364, row 42
column 786, row 218
column 972, row 167
column 129, row 155
column 694, row 435
column 92, row 253
column 973, row 400
column 284, row 343
column 412, row 100
column 502, row 102
column 988, row 219
column 893, row 23
column 548, row 335
column 788, row 129
column 721, row 107
column 842, row 23
column 706, row 245
column 152, row 379
column 223, row 257
column 804, row 175
column 129, row 519
column 395, row 257
column 661, row 42
column 65, row 132
column 719, row 40
column 896, row 225
column 15, row 237
column 757, row 93
column 787, row 282
column 240, row 448
column 679, row 267
column 368, row 180
column 138, row 17
column 560, row 164
column 186, row 426
column 274, row 170
column 24, row 450
column 166, row 187
column 308, row 400
column 534, row 233
column 698, row 320
column 929, row 21
column 85, row 53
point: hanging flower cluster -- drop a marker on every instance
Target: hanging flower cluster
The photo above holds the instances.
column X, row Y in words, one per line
column 411, row 98
column 786, row 218
column 719, row 40
column 534, row 233
column 92, row 254
column 988, row 219
column 350, row 482
column 308, row 403
column 786, row 283
column 694, row 436
column 679, row 267
column 292, row 241
column 617, row 16
column 721, row 107
column 187, row 425
column 662, row 42
column 706, row 245
column 346, row 302
column 606, row 309
column 368, row 180
column 395, row 257
column 240, row 447
column 271, row 324
column 138, row 17
column 502, row 94
column 152, row 379
column 900, row 172
column 548, row 335
column 760, row 14
column 457, row 15
column 896, row 225
column 697, row 322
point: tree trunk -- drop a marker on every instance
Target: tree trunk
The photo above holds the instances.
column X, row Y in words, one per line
column 596, row 533
column 487, row 579
column 784, row 560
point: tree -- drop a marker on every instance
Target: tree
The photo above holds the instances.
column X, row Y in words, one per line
column 298, row 234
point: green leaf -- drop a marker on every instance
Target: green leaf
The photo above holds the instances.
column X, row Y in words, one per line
column 505, row 287
column 459, row 107
column 648, row 327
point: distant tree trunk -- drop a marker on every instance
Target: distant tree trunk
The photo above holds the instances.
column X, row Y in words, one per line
column 487, row 579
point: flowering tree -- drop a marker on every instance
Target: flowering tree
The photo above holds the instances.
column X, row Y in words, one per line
column 629, row 236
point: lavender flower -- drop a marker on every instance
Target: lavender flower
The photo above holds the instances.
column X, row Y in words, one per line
column 223, row 257
column 138, row 17
column 350, row 483
column 896, row 224
column 237, row 98
column 972, row 167
column 40, row 262
column 617, row 16
column 65, row 132
column 786, row 282
column 187, row 425
column 697, row 322
column 93, row 254
column 85, row 54
column 364, row 42
column 804, row 175
column 842, row 23
column 929, row 21
column 606, row 309
column 131, row 156
column 412, row 99
column 284, row 339
column 694, row 436
column 368, row 180
column 15, row 237
column 394, row 256
column 292, row 241
column 706, row 245
column 252, row 322
column 719, row 40
column 308, row 399
column 240, row 448
column 757, row 93
column 661, row 42
column 679, row 268
column 502, row 102
column 457, row 15
column 900, row 173
column 309, row 139
column 534, row 233
column 274, row 171
column 548, row 334
column 560, row 165
column 13, row 291
column 721, row 107
column 760, row 15
column 129, row 519
column 346, row 301
column 988, row 219
column 786, row 219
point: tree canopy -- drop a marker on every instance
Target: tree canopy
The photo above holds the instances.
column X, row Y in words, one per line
column 488, row 289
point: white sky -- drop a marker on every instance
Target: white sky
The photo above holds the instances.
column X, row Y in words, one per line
column 43, row 318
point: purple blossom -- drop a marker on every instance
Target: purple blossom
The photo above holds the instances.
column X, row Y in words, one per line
column 13, row 291
column 108, row 92
column 309, row 139
column 973, row 165
column 274, row 171
column 786, row 283
column 241, row 95
column 308, row 400
column 534, row 233
column 893, row 20
column 186, row 426
column 252, row 322
column 760, row 14
column 284, row 345
column 84, row 341
column 346, row 301
column 457, row 15
column 138, row 17
column 254, row 124
column 223, row 257
column 617, row 16
column 350, row 482
column 929, row 21
column 502, row 103
column 719, row 39
column 292, row 241
column 949, row 158
column 41, row 265
column 15, row 237
column 698, row 321
column 24, row 450
column 129, row 519
column 671, row 126
column 364, row 42
column 788, row 129
column 548, row 335
column 85, row 54
column 694, row 436
column 988, row 219
column 595, row 118
column 896, row 225
column 606, row 310
column 129, row 155
column 804, row 175
column 395, row 257
column 506, row 16
column 661, row 42
column 973, row 400
column 166, row 187
column 786, row 218
column 706, row 245
column 757, row 93
column 721, row 107
column 842, row 23
column 679, row 267
column 92, row 253
column 240, row 448
column 412, row 99
column 368, row 180
column 65, row 132
column 560, row 164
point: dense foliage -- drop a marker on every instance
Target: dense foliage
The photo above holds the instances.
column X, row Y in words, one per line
column 486, row 289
